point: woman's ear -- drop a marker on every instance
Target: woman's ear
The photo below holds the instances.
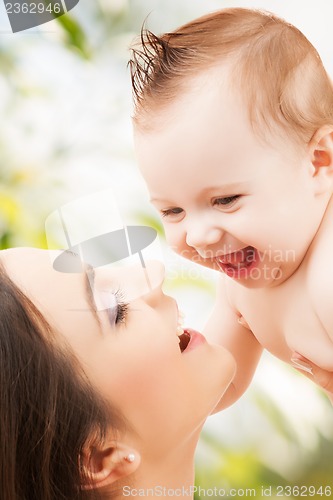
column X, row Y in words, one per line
column 103, row 466
column 321, row 150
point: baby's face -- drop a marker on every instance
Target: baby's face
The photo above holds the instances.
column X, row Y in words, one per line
column 227, row 199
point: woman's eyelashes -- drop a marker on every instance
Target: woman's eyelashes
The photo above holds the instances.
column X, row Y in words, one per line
column 118, row 310
column 113, row 304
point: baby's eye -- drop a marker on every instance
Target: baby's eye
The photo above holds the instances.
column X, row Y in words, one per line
column 171, row 212
column 227, row 201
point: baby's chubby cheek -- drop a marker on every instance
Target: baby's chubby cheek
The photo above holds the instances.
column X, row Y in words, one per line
column 177, row 242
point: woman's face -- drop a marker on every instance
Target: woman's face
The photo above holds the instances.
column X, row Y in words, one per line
column 133, row 356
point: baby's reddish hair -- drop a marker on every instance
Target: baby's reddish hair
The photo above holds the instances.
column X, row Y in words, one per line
column 277, row 70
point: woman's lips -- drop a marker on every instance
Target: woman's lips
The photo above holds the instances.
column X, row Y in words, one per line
column 238, row 264
column 190, row 339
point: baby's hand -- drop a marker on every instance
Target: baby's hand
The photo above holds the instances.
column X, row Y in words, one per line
column 321, row 377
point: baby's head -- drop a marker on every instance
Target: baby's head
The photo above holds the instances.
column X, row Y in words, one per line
column 271, row 64
column 233, row 118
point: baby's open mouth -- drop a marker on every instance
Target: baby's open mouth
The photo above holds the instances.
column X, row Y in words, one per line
column 184, row 340
column 238, row 260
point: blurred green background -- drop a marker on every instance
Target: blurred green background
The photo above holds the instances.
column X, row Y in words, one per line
column 66, row 132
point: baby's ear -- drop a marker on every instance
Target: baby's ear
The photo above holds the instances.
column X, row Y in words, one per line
column 105, row 465
column 321, row 148
column 321, row 154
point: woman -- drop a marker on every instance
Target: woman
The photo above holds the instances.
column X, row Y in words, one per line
column 98, row 403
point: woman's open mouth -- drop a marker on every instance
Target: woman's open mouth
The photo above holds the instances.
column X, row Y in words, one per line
column 190, row 339
column 184, row 340
column 238, row 264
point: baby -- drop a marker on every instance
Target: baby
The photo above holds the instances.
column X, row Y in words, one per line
column 233, row 128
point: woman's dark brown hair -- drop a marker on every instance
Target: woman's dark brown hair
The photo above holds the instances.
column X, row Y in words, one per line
column 48, row 409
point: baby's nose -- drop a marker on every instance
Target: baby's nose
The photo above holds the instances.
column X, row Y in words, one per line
column 201, row 236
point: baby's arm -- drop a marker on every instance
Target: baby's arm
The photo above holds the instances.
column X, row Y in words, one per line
column 224, row 329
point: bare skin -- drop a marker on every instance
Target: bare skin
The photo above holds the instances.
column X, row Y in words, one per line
column 135, row 362
column 258, row 211
column 283, row 311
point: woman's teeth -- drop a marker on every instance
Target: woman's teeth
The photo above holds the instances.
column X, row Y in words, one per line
column 180, row 324
column 183, row 336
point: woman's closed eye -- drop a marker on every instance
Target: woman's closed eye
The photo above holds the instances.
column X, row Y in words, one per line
column 117, row 309
column 107, row 300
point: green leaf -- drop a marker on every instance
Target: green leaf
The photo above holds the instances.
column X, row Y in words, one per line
column 75, row 37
